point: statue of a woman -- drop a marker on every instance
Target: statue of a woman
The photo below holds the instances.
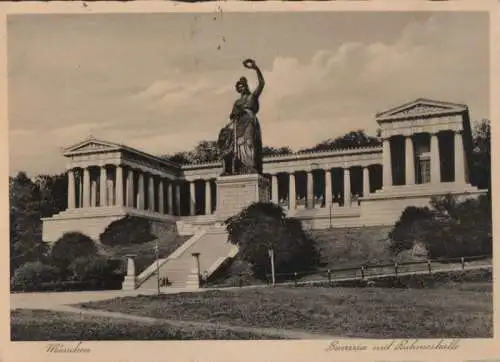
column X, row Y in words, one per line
column 241, row 140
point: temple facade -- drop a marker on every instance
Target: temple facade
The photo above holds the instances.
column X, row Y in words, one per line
column 425, row 151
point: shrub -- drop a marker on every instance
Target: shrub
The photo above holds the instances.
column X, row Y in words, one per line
column 262, row 226
column 452, row 229
column 129, row 230
column 32, row 274
column 408, row 228
column 91, row 268
column 69, row 247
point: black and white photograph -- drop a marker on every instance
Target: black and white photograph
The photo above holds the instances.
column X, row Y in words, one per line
column 250, row 175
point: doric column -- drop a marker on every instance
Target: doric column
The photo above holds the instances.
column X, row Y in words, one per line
column 310, row 190
column 119, row 185
column 140, row 192
column 459, row 159
column 274, row 189
column 366, row 181
column 80, row 190
column 178, row 199
column 103, row 187
column 71, row 189
column 170, row 198
column 386, row 163
column 435, row 159
column 161, row 196
column 347, row 187
column 328, row 188
column 86, row 187
column 291, row 192
column 93, row 191
column 130, row 188
column 409, row 161
column 151, row 193
column 208, row 198
column 192, row 198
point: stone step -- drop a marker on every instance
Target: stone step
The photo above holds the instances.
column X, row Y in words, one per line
column 212, row 246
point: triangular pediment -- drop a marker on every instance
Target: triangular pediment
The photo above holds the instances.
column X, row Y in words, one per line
column 91, row 145
column 421, row 106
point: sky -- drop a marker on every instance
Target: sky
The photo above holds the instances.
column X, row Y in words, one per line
column 164, row 82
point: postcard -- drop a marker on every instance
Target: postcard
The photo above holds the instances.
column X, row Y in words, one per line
column 232, row 181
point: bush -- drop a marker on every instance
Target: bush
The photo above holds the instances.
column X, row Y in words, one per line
column 262, row 226
column 129, row 230
column 408, row 228
column 69, row 247
column 452, row 229
column 32, row 274
column 92, row 268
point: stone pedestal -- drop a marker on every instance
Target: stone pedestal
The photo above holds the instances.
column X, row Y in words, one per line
column 130, row 281
column 234, row 193
column 193, row 281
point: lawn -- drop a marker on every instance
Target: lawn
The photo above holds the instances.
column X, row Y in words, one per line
column 42, row 325
column 454, row 310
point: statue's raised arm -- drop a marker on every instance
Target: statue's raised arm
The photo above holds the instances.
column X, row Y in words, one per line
column 250, row 64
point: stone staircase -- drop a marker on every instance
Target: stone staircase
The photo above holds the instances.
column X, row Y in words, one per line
column 213, row 247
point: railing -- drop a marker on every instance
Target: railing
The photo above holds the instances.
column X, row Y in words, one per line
column 367, row 271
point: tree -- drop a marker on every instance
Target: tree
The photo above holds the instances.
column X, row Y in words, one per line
column 205, row 151
column 69, row 247
column 481, row 154
column 53, row 191
column 25, row 225
column 273, row 151
column 31, row 274
column 350, row 140
column 263, row 226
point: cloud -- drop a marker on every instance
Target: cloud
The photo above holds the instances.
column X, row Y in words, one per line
column 356, row 80
column 307, row 98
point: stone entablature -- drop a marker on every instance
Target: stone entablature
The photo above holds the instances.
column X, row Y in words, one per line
column 420, row 108
column 93, row 152
column 431, row 125
column 309, row 161
column 295, row 162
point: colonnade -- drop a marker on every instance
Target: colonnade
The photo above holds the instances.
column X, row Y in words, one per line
column 417, row 153
column 117, row 185
column 120, row 185
column 327, row 196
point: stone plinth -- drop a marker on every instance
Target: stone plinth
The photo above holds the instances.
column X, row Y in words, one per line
column 234, row 193
column 130, row 281
column 385, row 206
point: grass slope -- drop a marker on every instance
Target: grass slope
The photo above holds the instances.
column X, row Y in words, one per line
column 339, row 248
column 145, row 253
column 166, row 236
column 351, row 247
column 452, row 310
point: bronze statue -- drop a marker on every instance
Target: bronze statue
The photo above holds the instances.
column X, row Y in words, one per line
column 240, row 141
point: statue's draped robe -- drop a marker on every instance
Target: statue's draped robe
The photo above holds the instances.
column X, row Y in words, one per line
column 247, row 136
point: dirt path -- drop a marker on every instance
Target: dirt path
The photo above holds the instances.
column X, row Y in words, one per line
column 271, row 332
